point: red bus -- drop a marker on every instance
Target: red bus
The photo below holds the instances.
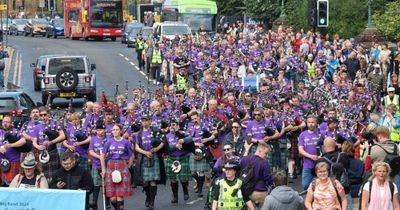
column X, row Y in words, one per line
column 96, row 19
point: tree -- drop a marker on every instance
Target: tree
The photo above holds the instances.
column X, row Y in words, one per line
column 388, row 21
column 347, row 18
column 266, row 10
column 230, row 7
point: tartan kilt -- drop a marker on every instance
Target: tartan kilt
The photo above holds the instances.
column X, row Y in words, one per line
column 274, row 156
column 294, row 147
column 84, row 163
column 7, row 177
column 198, row 165
column 123, row 188
column 153, row 173
column 95, row 172
column 51, row 167
column 184, row 174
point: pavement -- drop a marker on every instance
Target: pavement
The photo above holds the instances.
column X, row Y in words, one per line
column 115, row 64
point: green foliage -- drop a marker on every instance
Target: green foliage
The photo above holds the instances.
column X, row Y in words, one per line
column 388, row 21
column 230, row 7
column 267, row 10
column 347, row 18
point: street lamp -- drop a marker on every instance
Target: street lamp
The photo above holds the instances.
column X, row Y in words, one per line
column 283, row 8
column 369, row 25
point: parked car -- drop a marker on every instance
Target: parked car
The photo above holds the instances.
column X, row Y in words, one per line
column 68, row 77
column 127, row 30
column 35, row 27
column 37, row 70
column 5, row 25
column 17, row 26
column 132, row 37
column 170, row 29
column 16, row 104
column 147, row 32
column 55, row 28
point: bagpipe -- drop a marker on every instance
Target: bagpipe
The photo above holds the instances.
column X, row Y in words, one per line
column 12, row 137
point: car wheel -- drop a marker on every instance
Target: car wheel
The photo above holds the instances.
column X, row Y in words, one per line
column 54, row 35
column 67, row 79
column 92, row 96
column 113, row 39
column 43, row 35
column 25, row 34
column 32, row 34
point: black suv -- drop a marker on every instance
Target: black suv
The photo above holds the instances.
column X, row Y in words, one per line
column 68, row 77
column 16, row 104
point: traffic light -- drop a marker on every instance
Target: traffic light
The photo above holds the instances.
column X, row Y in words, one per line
column 312, row 12
column 52, row 5
column 323, row 13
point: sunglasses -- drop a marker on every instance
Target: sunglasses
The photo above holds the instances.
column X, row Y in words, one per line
column 235, row 126
column 257, row 114
column 43, row 115
column 227, row 149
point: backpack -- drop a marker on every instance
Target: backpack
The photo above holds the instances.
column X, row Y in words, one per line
column 393, row 159
column 338, row 171
column 247, row 177
column 391, row 186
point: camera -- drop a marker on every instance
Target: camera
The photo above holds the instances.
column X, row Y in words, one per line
column 367, row 133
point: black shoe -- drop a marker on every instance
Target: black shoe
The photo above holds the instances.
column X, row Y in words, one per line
column 185, row 197
column 174, row 200
column 200, row 195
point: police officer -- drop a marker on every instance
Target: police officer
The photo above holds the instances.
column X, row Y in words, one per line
column 228, row 193
column 155, row 64
column 139, row 50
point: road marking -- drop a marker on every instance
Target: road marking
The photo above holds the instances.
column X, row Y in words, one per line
column 194, row 201
column 137, row 68
column 121, row 55
column 132, row 63
column 127, row 59
column 16, row 69
column 20, row 71
column 142, row 73
column 8, row 65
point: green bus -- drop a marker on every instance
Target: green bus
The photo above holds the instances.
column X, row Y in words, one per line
column 192, row 12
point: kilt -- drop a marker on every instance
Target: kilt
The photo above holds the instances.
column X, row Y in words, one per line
column 198, row 165
column 7, row 177
column 294, row 147
column 84, row 163
column 184, row 174
column 123, row 188
column 152, row 173
column 274, row 156
column 95, row 172
column 51, row 167
column 253, row 149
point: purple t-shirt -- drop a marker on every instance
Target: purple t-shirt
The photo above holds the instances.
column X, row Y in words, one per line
column 118, row 150
column 146, row 140
column 173, row 140
column 97, row 144
column 71, row 140
column 256, row 129
column 262, row 172
column 309, row 141
column 11, row 154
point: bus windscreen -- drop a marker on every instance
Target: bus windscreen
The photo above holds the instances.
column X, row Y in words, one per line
column 106, row 14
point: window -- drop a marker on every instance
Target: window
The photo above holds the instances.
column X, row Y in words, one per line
column 28, row 101
column 76, row 64
column 73, row 16
column 8, row 102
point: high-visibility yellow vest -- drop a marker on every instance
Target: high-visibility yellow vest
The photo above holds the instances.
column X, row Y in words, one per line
column 156, row 59
column 388, row 101
column 180, row 82
column 311, row 69
column 140, row 45
column 226, row 200
column 394, row 134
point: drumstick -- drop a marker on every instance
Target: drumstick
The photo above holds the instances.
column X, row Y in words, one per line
column 104, row 190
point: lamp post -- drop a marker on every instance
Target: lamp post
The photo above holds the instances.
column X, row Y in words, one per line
column 283, row 9
column 369, row 25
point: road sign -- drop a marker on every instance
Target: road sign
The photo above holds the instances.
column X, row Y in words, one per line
column 3, row 7
column 41, row 3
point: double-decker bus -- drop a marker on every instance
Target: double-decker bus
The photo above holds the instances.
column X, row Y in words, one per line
column 192, row 12
column 93, row 19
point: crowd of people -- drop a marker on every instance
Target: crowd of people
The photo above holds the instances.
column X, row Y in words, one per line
column 309, row 117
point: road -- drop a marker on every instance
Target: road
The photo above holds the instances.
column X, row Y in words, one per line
column 115, row 64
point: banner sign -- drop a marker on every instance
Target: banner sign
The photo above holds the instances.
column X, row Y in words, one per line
column 250, row 84
column 41, row 199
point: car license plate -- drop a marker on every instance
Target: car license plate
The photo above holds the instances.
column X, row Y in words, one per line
column 106, row 34
column 67, row 94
